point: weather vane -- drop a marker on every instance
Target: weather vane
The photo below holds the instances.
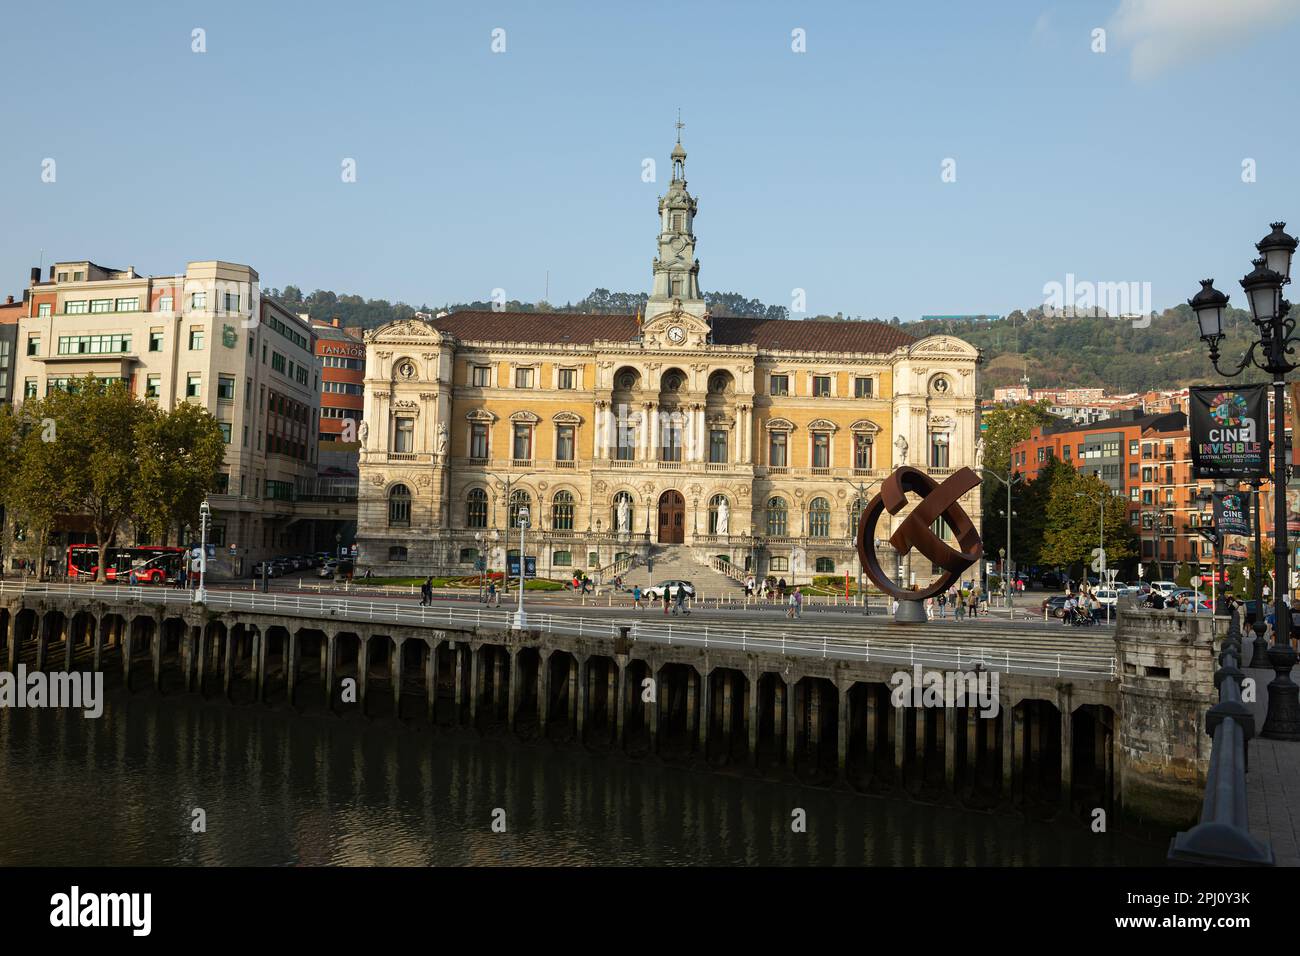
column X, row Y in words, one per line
column 680, row 125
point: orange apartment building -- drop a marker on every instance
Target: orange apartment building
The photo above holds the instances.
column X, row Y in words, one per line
column 343, row 359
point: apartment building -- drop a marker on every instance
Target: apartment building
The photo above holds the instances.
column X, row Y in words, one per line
column 342, row 352
column 206, row 336
column 10, row 312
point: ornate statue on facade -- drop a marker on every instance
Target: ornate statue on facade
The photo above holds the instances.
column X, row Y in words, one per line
column 979, row 453
column 364, row 432
column 624, row 516
column 724, row 517
column 442, row 439
column 900, row 446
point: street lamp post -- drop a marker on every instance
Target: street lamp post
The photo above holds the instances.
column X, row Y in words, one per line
column 480, row 563
column 205, row 513
column 520, row 619
column 1011, row 479
column 1101, row 540
column 1270, row 314
column 1259, row 648
column 853, row 529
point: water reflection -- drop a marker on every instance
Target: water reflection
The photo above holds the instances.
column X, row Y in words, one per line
column 283, row 790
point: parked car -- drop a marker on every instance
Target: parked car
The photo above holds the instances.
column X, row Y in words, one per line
column 1197, row 601
column 1054, row 606
column 1166, row 588
column 327, row 569
column 273, row 570
column 657, row 591
column 1107, row 597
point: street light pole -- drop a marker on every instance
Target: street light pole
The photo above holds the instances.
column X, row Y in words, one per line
column 853, row 531
column 1259, row 649
column 1270, row 313
column 520, row 619
column 1101, row 541
column 1011, row 479
column 205, row 511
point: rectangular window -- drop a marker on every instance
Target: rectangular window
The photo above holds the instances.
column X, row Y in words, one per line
column 277, row 362
column 564, row 443
column 821, row 450
column 33, row 345
column 63, row 277
column 776, row 450
column 198, row 300
column 152, row 384
column 821, row 386
column 523, row 443
column 718, row 445
column 29, row 388
column 404, row 438
column 938, row 449
column 128, row 305
column 196, row 339
column 43, row 310
column 523, row 378
column 75, row 308
column 225, row 431
column 155, row 340
column 230, row 300
column 862, row 388
column 780, row 564
column 478, row 440
column 568, row 378
column 165, row 303
column 193, row 383
column 779, row 385
column 101, row 305
column 226, row 388
column 481, row 376
column 862, row 452
column 1065, row 452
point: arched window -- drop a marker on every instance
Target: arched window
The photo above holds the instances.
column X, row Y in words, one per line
column 476, row 508
column 715, row 504
column 776, row 515
column 521, row 499
column 855, row 514
column 397, row 552
column 819, row 518
column 631, row 510
column 562, row 511
column 399, row 507
column 825, row 565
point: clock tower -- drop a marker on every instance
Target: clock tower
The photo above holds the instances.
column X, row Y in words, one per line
column 676, row 270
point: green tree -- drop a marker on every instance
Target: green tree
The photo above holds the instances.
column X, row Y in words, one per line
column 1183, row 576
column 36, row 489
column 1073, row 529
column 97, row 456
column 1003, row 428
column 181, row 453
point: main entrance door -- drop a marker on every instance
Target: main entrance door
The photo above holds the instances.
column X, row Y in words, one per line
column 672, row 518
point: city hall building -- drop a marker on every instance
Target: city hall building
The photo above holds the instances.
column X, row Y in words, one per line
column 738, row 442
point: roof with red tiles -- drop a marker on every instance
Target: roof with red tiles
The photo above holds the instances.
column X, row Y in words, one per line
column 567, row 328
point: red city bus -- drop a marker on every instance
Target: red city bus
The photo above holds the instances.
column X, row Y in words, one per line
column 152, row 564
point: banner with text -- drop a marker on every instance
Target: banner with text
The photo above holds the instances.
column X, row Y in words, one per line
column 1229, row 431
column 1231, row 513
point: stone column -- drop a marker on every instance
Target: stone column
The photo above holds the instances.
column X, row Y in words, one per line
column 814, row 718
column 68, row 629
column 475, row 679
column 431, row 680
column 1008, row 751
column 363, row 669
column 778, row 712
column 543, row 692
column 583, row 679
column 97, row 655
column 291, row 665
column 128, row 635
column 899, row 717
column 512, row 697
column 156, row 646
column 228, row 667
column 705, row 706
column 652, row 706
column 842, row 735
column 792, row 724
column 653, row 434
column 42, row 640
column 620, row 702
column 1067, row 750
column 11, row 639
column 458, row 656
column 395, row 674
column 751, row 716
column 498, row 674
column 201, row 638
column 972, row 742
column 692, row 719
column 575, row 669
column 728, row 680
column 1018, row 720
column 950, row 748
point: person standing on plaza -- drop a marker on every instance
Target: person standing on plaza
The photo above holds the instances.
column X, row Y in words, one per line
column 780, row 589
column 943, row 605
column 680, row 605
column 789, row 609
column 798, row 602
column 493, row 599
column 636, row 596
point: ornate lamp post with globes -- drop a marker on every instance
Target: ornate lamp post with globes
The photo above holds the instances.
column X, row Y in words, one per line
column 1271, row 352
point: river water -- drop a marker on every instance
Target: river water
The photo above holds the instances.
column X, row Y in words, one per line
column 280, row 789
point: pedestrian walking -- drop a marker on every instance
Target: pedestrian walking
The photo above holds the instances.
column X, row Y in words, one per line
column 664, row 598
column 780, row 589
column 929, row 609
column 681, row 601
column 958, row 607
column 636, row 596
column 493, row 599
column 789, row 611
column 943, row 605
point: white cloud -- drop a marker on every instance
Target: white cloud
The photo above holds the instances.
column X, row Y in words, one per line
column 1165, row 33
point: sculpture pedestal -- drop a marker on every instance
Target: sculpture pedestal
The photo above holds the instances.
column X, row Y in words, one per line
column 910, row 612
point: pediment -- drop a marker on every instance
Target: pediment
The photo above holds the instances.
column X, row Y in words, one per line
column 405, row 330
column 658, row 332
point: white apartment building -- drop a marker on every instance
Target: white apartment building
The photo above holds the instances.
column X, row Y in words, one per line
column 204, row 336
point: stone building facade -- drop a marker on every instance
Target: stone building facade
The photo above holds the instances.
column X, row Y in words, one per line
column 749, row 442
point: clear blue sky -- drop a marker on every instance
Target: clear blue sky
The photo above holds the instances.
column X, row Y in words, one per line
column 816, row 170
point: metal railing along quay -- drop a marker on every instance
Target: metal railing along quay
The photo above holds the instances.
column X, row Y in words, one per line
column 769, row 638
column 1223, row 837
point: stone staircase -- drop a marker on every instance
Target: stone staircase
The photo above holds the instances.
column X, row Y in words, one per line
column 676, row 562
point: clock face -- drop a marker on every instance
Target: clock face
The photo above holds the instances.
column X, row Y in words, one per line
column 677, row 334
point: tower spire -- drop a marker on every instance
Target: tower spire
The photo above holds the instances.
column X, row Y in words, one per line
column 676, row 270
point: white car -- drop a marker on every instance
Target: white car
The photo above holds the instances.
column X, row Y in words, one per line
column 1166, row 588
column 657, row 590
column 1107, row 597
